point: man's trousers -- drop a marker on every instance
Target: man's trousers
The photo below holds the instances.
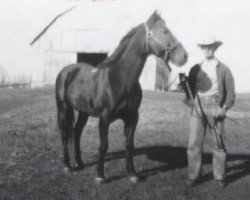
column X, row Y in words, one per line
column 197, row 131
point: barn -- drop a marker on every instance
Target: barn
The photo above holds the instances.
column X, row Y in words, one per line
column 86, row 34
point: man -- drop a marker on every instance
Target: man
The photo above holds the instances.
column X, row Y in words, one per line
column 210, row 92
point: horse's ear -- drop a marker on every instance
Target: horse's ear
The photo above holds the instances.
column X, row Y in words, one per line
column 153, row 18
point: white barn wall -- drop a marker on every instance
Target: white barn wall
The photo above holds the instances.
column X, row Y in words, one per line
column 60, row 44
column 55, row 61
column 69, row 36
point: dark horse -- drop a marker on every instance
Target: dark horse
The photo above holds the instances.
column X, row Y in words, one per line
column 111, row 91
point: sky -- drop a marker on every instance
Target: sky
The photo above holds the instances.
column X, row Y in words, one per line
column 189, row 20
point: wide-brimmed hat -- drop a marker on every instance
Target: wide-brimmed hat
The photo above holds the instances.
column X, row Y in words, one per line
column 209, row 40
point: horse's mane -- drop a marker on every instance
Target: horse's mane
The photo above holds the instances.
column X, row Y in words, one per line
column 111, row 60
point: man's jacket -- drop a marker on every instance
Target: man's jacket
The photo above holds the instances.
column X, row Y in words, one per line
column 226, row 85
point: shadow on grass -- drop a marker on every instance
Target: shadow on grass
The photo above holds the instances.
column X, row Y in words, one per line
column 175, row 158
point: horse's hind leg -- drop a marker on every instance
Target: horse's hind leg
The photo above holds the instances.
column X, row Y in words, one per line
column 103, row 135
column 130, row 123
column 80, row 124
column 65, row 124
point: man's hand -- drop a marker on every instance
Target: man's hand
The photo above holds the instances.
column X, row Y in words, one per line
column 221, row 113
column 183, row 78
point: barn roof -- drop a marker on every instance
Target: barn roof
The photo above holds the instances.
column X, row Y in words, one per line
column 49, row 25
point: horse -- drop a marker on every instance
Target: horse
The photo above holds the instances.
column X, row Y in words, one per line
column 111, row 91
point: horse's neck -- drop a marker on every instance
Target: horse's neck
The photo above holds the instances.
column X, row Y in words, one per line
column 126, row 72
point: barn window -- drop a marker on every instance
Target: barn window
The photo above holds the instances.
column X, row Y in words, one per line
column 91, row 58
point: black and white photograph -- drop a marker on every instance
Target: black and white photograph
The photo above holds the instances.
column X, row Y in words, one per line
column 124, row 99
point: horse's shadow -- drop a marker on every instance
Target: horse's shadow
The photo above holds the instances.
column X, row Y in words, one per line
column 176, row 158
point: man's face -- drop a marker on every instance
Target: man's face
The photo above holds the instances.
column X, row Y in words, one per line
column 208, row 51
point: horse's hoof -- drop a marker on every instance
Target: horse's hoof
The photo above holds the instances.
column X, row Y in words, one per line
column 66, row 170
column 99, row 180
column 134, row 179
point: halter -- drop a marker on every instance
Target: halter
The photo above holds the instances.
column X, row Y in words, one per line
column 150, row 35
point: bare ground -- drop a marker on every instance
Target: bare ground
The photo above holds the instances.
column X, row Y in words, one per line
column 31, row 153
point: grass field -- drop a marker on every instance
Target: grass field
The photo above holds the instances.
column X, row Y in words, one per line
column 31, row 153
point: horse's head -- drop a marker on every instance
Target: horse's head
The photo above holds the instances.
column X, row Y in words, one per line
column 162, row 43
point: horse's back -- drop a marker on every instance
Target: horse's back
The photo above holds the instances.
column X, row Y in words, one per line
column 70, row 71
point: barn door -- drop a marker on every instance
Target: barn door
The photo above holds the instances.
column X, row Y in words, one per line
column 91, row 58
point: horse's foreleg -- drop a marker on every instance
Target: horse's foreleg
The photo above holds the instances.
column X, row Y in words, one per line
column 80, row 124
column 103, row 134
column 129, row 130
